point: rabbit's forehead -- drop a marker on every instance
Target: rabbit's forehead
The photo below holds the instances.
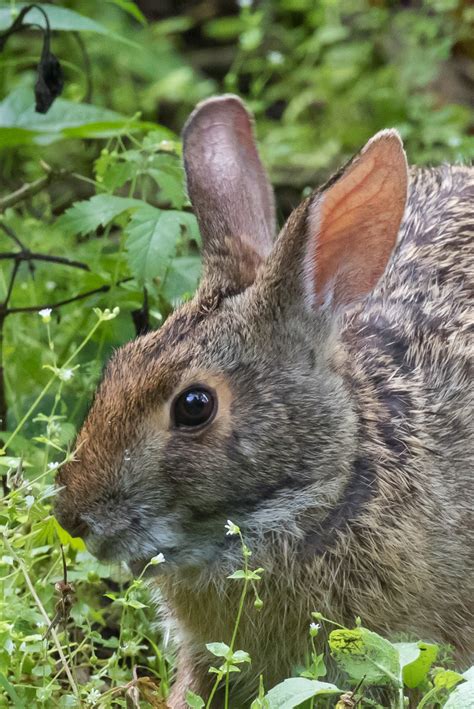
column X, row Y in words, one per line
column 189, row 346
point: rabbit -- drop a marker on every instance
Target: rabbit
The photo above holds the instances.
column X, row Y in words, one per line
column 317, row 392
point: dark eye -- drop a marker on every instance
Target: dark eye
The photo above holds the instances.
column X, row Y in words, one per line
column 194, row 407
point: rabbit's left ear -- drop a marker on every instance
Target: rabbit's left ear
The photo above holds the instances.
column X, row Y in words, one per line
column 229, row 190
column 336, row 245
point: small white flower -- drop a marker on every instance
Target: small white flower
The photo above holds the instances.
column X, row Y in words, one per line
column 314, row 629
column 53, row 466
column 275, row 58
column 65, row 374
column 158, row 559
column 50, row 285
column 231, row 528
column 45, row 314
column 29, row 500
column 93, row 697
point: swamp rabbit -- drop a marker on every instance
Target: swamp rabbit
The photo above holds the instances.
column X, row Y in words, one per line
column 317, row 392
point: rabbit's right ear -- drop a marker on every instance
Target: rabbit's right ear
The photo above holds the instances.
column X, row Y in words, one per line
column 232, row 198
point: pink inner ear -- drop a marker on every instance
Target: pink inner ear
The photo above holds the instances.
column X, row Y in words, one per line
column 354, row 224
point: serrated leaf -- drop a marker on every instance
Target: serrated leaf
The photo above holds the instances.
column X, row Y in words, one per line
column 415, row 660
column 218, row 649
column 84, row 217
column 181, row 278
column 152, row 236
column 364, row 654
column 296, row 690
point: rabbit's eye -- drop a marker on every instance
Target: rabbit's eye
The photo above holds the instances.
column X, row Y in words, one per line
column 194, row 407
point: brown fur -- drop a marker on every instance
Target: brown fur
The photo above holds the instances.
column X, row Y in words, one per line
column 341, row 447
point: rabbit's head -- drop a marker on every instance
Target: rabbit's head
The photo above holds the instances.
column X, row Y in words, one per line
column 238, row 406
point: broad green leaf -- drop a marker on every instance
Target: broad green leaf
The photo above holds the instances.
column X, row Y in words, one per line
column 296, row 690
column 84, row 217
column 21, row 124
column 152, row 236
column 218, row 649
column 60, row 18
column 415, row 660
column 364, row 654
column 462, row 697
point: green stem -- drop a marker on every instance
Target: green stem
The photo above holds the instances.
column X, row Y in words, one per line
column 47, row 387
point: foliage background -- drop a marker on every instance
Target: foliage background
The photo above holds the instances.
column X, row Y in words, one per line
column 107, row 192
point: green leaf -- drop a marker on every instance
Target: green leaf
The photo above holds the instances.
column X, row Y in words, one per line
column 60, row 18
column 20, row 124
column 193, row 700
column 240, row 574
column 218, row 649
column 364, row 654
column 292, row 692
column 152, row 236
column 131, row 8
column 415, row 660
column 240, row 656
column 447, row 679
column 10, row 690
column 84, row 217
column 182, row 277
column 462, row 697
column 135, row 604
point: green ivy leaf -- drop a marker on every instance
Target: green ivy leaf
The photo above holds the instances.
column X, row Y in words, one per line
column 364, row 654
column 292, row 692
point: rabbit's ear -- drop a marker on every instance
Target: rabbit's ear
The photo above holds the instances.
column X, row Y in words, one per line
column 336, row 245
column 229, row 190
column 353, row 225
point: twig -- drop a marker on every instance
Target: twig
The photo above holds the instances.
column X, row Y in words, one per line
column 81, row 296
column 27, row 190
column 47, row 619
column 27, row 255
column 9, row 232
column 15, row 268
